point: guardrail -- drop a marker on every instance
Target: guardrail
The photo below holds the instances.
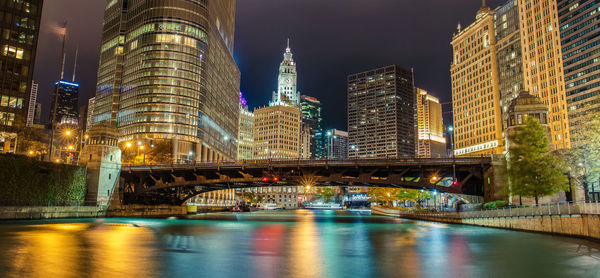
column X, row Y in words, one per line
column 556, row 209
column 317, row 162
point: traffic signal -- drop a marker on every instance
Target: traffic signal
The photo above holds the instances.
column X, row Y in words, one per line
column 265, row 179
column 454, row 182
column 275, row 179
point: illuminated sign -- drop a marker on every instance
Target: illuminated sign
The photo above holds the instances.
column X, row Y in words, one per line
column 477, row 148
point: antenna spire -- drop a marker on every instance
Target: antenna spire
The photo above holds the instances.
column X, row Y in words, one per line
column 75, row 65
column 64, row 39
column 288, row 43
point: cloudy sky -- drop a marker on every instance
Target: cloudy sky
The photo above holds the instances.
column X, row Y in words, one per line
column 329, row 38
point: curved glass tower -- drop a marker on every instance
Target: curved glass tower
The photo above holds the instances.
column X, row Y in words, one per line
column 167, row 73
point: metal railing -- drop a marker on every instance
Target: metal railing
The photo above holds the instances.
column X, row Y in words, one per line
column 554, row 209
column 316, row 162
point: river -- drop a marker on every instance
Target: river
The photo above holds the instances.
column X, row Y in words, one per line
column 285, row 244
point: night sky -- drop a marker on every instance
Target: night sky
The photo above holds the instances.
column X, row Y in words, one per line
column 329, row 38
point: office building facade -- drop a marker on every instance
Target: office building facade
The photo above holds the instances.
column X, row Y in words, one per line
column 245, row 134
column 311, row 117
column 430, row 127
column 20, row 23
column 277, row 132
column 543, row 64
column 167, row 73
column 381, row 109
column 336, row 144
column 32, row 101
column 475, row 94
column 579, row 30
column 509, row 54
column 65, row 103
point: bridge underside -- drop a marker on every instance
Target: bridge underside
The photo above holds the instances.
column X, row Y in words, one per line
column 174, row 185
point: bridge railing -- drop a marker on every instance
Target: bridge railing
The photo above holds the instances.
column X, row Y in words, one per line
column 316, row 162
column 553, row 209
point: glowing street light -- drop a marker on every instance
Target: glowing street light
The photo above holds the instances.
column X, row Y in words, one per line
column 68, row 133
column 128, row 144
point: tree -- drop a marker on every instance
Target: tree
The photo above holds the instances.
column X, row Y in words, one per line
column 161, row 153
column 251, row 197
column 584, row 157
column 30, row 139
column 382, row 195
column 534, row 170
column 413, row 195
column 326, row 193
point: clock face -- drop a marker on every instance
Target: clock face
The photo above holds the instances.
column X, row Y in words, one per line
column 288, row 80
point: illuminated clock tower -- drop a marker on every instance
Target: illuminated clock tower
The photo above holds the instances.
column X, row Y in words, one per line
column 287, row 92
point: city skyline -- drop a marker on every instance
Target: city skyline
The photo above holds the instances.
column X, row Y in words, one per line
column 322, row 75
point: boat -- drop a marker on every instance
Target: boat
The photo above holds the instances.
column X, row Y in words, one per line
column 321, row 206
column 270, row 206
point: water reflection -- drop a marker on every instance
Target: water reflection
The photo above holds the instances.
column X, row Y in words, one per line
column 285, row 244
column 306, row 247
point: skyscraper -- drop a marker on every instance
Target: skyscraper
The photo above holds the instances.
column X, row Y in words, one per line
column 245, row 131
column 21, row 22
column 90, row 114
column 167, row 73
column 509, row 54
column 475, row 95
column 543, row 64
column 336, row 144
column 502, row 53
column 381, row 109
column 311, row 117
column 430, row 126
column 32, row 100
column 277, row 132
column 579, row 30
column 287, row 91
column 66, row 107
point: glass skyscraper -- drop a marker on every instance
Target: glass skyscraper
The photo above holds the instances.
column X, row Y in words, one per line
column 67, row 109
column 311, row 117
column 20, row 21
column 335, row 144
column 579, row 31
column 167, row 73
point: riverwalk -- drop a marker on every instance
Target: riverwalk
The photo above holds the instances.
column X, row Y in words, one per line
column 568, row 219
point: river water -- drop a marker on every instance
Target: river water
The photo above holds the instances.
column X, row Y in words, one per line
column 285, row 244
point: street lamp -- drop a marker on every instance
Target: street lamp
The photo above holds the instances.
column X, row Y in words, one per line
column 144, row 157
column 68, row 133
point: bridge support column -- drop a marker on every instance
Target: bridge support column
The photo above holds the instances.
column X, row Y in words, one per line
column 203, row 153
column 197, row 152
column 175, row 143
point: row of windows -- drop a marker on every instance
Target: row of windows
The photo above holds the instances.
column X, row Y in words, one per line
column 7, row 118
column 11, row 101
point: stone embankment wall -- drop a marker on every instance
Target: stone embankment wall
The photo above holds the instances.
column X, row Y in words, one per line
column 38, row 212
column 576, row 225
column 146, row 211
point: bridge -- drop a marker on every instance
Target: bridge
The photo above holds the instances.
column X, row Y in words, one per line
column 174, row 184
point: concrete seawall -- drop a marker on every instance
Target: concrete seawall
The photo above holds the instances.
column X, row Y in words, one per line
column 21, row 213
column 147, row 211
column 577, row 225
